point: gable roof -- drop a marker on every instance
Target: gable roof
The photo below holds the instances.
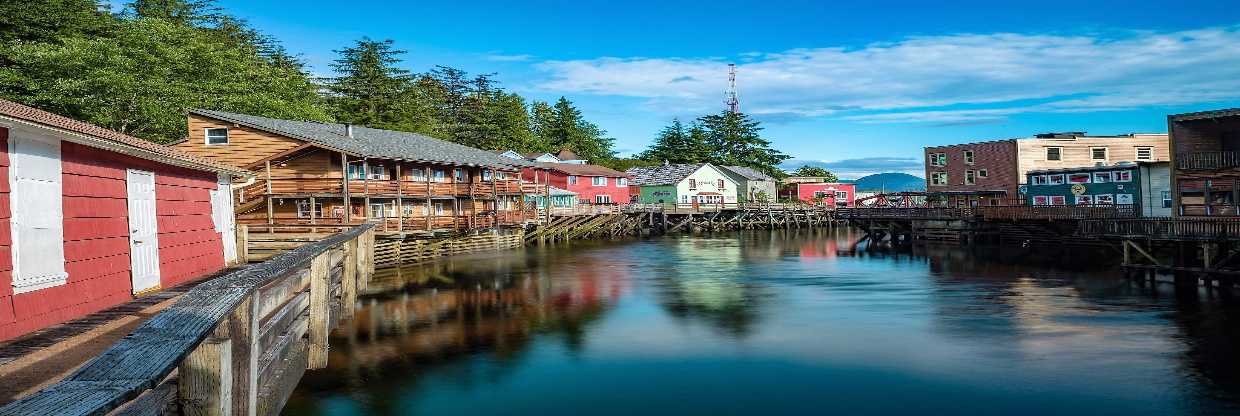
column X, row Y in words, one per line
column 565, row 154
column 663, row 174
column 368, row 142
column 577, row 169
column 747, row 173
column 99, row 137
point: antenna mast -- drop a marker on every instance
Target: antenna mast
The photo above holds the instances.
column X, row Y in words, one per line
column 730, row 100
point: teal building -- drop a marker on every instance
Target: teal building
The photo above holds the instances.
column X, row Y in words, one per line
column 1145, row 185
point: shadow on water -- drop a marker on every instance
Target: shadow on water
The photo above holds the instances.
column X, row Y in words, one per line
column 781, row 322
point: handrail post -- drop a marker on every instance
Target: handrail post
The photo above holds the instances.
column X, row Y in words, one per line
column 205, row 379
column 320, row 311
column 349, row 279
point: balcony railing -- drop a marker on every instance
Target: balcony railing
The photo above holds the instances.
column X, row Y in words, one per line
column 1207, row 160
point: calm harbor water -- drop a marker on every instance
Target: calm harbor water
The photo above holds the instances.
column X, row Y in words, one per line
column 776, row 323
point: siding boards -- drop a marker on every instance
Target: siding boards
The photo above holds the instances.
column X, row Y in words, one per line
column 1076, row 152
column 7, row 315
column 245, row 145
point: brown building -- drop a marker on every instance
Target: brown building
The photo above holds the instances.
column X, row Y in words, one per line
column 1206, row 169
column 404, row 180
column 991, row 173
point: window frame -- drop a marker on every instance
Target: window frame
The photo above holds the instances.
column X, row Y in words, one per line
column 1079, row 198
column 1166, row 199
column 1068, row 177
column 594, row 181
column 1051, row 179
column 983, row 173
column 622, row 182
column 1058, row 153
column 1061, row 198
column 1045, row 200
column 969, row 157
column 206, row 136
column 1148, row 149
column 377, row 172
column 1101, row 177
column 1039, row 180
column 970, row 177
column 936, row 181
column 1126, row 174
column 571, row 180
column 692, row 184
column 303, row 209
column 602, row 199
column 1106, row 154
column 720, row 184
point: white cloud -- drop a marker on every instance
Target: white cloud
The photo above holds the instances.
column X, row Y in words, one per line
column 911, row 80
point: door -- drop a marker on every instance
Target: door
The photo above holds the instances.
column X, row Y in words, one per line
column 222, row 214
column 143, row 231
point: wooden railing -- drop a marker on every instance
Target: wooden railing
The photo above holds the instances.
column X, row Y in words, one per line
column 238, row 343
column 1187, row 228
column 1056, row 212
column 1207, row 160
column 905, row 213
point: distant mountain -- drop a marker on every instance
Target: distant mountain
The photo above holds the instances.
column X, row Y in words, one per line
column 890, row 182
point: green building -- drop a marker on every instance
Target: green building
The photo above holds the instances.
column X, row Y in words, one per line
column 561, row 200
column 1144, row 185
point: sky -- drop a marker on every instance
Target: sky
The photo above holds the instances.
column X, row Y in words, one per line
column 858, row 87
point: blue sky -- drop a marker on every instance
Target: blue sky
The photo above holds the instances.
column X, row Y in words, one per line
column 862, row 86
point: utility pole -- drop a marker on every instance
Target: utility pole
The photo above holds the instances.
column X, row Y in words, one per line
column 730, row 99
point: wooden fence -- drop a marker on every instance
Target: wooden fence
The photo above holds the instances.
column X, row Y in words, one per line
column 237, row 344
column 1056, row 212
column 1174, row 228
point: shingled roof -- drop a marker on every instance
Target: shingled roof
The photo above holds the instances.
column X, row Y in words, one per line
column 662, row 174
column 577, row 169
column 749, row 173
column 368, row 142
column 114, row 140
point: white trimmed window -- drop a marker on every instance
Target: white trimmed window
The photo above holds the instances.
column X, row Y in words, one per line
column 1040, row 200
column 1145, row 153
column 1121, row 176
column 1166, row 199
column 572, row 180
column 938, row 178
column 1084, row 200
column 692, row 184
column 602, row 199
column 1123, row 199
column 968, row 157
column 357, row 171
column 1056, row 179
column 1058, row 200
column 982, row 173
column 1054, row 153
column 622, row 182
column 303, row 209
column 1078, row 178
column 598, row 180
column 378, row 172
column 719, row 184
column 1098, row 154
column 970, row 177
column 216, row 136
column 1102, row 177
column 938, row 159
column 439, row 176
column 1038, row 180
column 1104, row 199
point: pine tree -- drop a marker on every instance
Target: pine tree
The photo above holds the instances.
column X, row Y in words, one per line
column 735, row 140
column 567, row 130
column 542, row 117
column 370, row 88
column 678, row 144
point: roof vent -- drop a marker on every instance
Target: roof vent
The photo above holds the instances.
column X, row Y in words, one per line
column 348, row 130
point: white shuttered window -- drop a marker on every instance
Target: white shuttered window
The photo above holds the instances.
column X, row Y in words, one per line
column 38, row 217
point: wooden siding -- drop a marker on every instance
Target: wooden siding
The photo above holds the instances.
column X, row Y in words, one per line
column 7, row 314
column 245, row 146
column 97, row 237
column 1031, row 153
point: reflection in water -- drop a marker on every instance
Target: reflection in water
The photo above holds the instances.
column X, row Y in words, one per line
column 783, row 322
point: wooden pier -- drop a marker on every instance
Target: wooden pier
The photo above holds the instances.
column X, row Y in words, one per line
column 646, row 220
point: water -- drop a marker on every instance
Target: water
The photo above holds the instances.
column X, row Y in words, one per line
column 777, row 323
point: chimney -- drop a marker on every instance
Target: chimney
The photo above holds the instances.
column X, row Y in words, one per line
column 348, row 130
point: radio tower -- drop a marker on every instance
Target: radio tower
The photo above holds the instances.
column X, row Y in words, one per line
column 730, row 100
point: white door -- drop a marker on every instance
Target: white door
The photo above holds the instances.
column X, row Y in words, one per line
column 143, row 231
column 222, row 214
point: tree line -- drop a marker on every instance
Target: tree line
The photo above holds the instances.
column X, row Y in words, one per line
column 138, row 69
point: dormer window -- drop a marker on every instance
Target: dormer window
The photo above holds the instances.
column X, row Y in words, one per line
column 217, row 136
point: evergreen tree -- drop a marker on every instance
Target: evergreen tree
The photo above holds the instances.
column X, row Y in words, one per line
column 51, row 21
column 370, row 89
column 816, row 172
column 542, row 118
column 735, row 140
column 567, row 130
column 677, row 144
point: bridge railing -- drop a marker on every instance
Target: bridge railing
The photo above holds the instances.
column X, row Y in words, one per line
column 1056, row 212
column 238, row 343
column 1185, row 228
column 904, row 213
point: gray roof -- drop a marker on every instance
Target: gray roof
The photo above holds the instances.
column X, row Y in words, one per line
column 560, row 192
column 368, row 142
column 662, row 174
column 748, row 173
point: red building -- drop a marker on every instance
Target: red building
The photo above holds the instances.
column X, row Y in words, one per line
column 90, row 218
column 593, row 184
column 830, row 193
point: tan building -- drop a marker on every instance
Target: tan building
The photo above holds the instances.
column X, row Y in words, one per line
column 991, row 173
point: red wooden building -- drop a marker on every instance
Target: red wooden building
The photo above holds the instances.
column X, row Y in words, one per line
column 831, row 194
column 90, row 217
column 593, row 184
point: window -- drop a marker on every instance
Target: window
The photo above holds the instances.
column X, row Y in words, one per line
column 842, row 195
column 1121, row 176
column 622, row 182
column 1056, row 179
column 1098, row 154
column 1040, row 200
column 983, row 173
column 37, row 224
column 1084, row 200
column 602, row 199
column 1123, row 199
column 1166, row 199
column 598, row 180
column 938, row 159
column 820, row 194
column 572, row 180
column 438, row 176
column 378, row 210
column 938, row 178
column 303, row 209
column 1145, row 153
column 692, row 184
column 379, row 172
column 1106, row 199
column 417, row 175
column 459, row 175
column 1102, row 177
column 486, row 177
column 1058, row 200
column 968, row 157
column 217, row 136
column 719, row 184
column 440, row 207
column 970, row 177
column 1038, row 180
column 357, row 171
column 1054, row 153
column 1078, row 178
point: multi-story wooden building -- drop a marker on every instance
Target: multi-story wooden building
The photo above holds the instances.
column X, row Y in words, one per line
column 990, row 173
column 322, row 173
column 1206, row 166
